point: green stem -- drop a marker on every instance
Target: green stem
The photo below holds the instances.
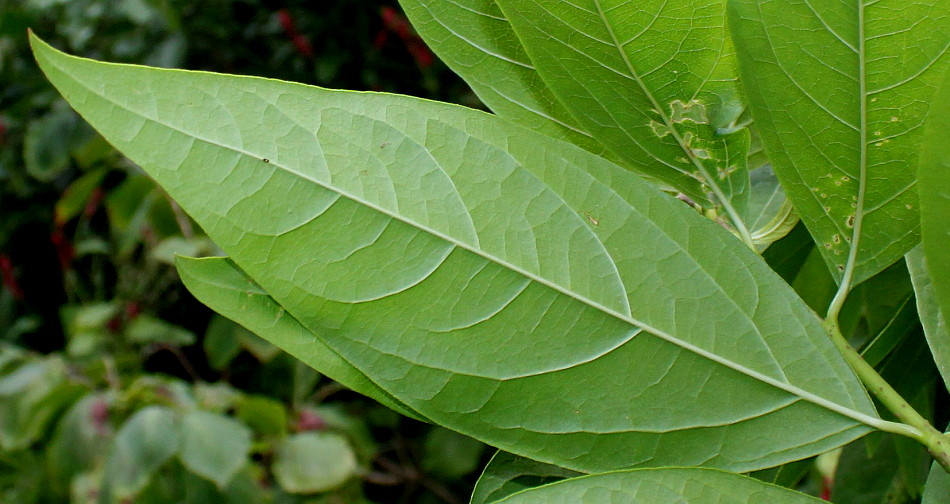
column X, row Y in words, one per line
column 937, row 443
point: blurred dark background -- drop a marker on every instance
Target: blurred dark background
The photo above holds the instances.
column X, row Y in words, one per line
column 98, row 338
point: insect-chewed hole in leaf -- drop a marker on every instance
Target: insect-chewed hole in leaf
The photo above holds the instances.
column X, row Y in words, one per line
column 659, row 129
column 693, row 111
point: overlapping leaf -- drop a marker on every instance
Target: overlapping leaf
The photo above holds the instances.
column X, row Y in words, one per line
column 218, row 283
column 476, row 41
column 685, row 486
column 839, row 91
column 652, row 80
column 501, row 283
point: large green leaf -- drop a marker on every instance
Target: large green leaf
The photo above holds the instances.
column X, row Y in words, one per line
column 839, row 91
column 218, row 283
column 935, row 194
column 681, row 486
column 504, row 284
column 475, row 39
column 654, row 81
column 214, row 446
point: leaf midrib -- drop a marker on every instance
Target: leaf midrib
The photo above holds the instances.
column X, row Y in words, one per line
column 668, row 122
column 786, row 387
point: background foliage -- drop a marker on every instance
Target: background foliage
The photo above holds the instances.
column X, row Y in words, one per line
column 115, row 384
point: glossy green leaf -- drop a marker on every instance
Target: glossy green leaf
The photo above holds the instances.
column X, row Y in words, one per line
column 839, row 91
column 313, row 462
column 935, row 193
column 475, row 39
column 682, row 486
column 146, row 441
column 654, row 81
column 504, row 284
column 218, row 283
column 214, row 446
column 931, row 316
column 507, row 474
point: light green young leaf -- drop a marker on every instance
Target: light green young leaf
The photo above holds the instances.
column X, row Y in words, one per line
column 313, row 462
column 654, row 81
column 839, row 91
column 507, row 474
column 218, row 283
column 475, row 39
column 147, row 440
column 682, row 486
column 506, row 285
column 214, row 446
column 935, row 193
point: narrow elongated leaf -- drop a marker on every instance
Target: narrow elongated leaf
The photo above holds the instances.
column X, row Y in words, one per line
column 218, row 283
column 504, row 284
column 475, row 39
column 935, row 194
column 652, row 80
column 682, row 486
column 931, row 316
column 839, row 91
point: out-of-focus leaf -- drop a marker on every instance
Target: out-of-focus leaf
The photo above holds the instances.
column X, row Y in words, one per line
column 145, row 329
column 77, row 195
column 931, row 316
column 214, row 446
column 838, row 91
column 934, row 187
column 481, row 210
column 80, row 441
column 879, row 313
column 507, row 474
column 222, row 286
column 450, row 454
column 145, row 442
column 313, row 462
column 263, row 414
column 30, row 398
column 221, row 343
column 50, row 140
column 682, row 486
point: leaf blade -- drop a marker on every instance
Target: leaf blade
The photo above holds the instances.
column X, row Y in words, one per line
column 839, row 91
column 603, row 243
column 688, row 486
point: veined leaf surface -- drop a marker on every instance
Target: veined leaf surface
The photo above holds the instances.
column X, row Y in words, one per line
column 654, row 81
column 507, row 474
column 218, row 283
column 475, row 39
column 839, row 91
column 682, row 486
column 504, row 284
